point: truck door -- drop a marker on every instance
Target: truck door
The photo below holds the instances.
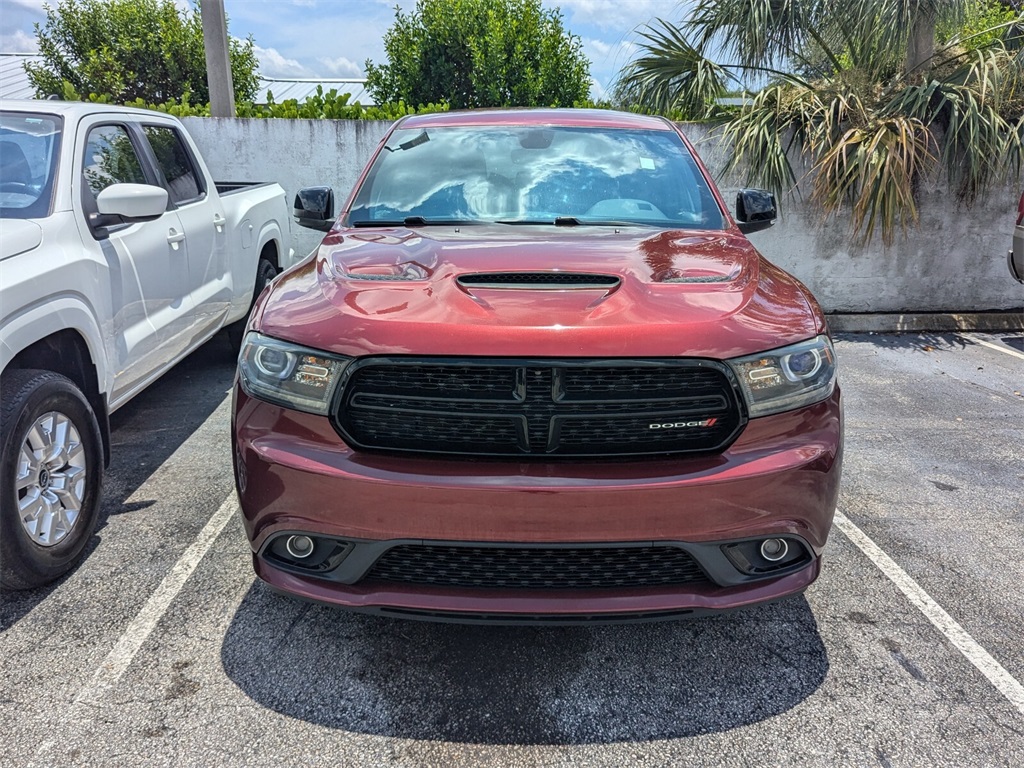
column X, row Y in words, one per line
column 145, row 261
column 203, row 216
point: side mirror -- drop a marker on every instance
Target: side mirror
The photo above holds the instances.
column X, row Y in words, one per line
column 314, row 208
column 755, row 210
column 132, row 202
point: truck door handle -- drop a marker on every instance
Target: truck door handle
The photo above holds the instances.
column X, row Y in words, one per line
column 174, row 237
column 219, row 221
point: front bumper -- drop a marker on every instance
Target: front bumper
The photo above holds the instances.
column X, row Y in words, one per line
column 780, row 478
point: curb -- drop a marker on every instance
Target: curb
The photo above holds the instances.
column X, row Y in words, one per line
column 928, row 321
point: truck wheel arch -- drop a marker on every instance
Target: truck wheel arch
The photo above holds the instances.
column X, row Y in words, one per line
column 67, row 352
column 270, row 244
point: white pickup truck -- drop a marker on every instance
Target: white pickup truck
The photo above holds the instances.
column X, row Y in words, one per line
column 119, row 255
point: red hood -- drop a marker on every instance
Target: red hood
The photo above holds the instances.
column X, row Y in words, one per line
column 397, row 291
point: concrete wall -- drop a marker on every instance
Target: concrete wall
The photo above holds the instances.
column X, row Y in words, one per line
column 955, row 261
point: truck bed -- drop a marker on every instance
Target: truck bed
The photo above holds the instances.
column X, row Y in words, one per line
column 231, row 187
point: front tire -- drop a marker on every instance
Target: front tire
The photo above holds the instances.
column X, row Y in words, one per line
column 51, row 473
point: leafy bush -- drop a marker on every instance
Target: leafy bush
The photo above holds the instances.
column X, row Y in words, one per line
column 318, row 106
column 131, row 50
column 480, row 53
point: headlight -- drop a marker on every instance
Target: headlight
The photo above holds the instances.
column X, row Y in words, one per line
column 287, row 374
column 787, row 378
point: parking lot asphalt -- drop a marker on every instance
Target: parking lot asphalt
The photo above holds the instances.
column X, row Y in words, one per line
column 162, row 649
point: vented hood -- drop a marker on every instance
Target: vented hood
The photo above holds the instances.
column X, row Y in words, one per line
column 587, row 290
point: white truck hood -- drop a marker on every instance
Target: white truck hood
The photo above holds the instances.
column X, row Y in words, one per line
column 18, row 236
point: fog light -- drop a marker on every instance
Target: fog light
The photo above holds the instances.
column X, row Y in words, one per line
column 301, row 547
column 774, row 550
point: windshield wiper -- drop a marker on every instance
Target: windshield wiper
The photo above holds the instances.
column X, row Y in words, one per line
column 413, row 221
column 572, row 221
column 423, row 138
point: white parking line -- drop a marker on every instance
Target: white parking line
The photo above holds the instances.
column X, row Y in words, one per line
column 120, row 657
column 996, row 347
column 1004, row 682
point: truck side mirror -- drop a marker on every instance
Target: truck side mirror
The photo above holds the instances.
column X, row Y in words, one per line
column 755, row 210
column 314, row 208
column 132, row 202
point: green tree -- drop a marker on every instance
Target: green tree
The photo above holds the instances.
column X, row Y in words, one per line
column 480, row 53
column 984, row 22
column 131, row 49
column 873, row 99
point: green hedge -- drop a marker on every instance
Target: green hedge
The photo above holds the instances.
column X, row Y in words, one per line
column 318, row 106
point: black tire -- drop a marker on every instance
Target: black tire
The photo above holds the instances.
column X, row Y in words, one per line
column 265, row 272
column 29, row 396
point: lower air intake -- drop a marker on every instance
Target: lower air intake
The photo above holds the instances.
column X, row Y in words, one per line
column 537, row 567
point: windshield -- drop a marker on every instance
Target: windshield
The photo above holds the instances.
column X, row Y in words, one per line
column 536, row 174
column 28, row 163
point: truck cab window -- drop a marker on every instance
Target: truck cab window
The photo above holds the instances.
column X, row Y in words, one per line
column 110, row 158
column 175, row 163
column 28, row 151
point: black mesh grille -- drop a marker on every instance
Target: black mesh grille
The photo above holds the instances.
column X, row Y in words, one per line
column 540, row 408
column 536, row 568
column 448, row 381
column 628, row 381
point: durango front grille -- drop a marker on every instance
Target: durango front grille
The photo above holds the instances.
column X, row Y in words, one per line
column 506, row 567
column 542, row 408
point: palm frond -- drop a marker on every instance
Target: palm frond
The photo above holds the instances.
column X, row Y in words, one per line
column 755, row 33
column 780, row 121
column 877, row 110
column 977, row 145
column 874, row 169
column 671, row 75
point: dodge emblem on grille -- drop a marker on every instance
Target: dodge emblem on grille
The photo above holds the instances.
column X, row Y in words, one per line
column 683, row 424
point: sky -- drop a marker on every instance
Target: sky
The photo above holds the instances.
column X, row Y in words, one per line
column 334, row 38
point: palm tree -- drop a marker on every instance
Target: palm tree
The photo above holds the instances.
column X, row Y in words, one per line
column 873, row 95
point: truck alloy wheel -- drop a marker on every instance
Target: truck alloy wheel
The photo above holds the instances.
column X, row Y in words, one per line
column 51, row 466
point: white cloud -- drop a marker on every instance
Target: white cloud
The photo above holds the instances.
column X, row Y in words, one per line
column 607, row 60
column 623, row 14
column 341, row 67
column 273, row 64
column 611, row 52
column 28, row 5
column 18, row 41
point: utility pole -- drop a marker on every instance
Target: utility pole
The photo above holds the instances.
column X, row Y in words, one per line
column 218, row 63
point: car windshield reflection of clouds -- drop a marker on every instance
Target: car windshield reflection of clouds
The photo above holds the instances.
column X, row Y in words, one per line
column 537, row 175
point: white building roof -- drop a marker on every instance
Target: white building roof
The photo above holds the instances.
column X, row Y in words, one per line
column 14, row 82
column 284, row 89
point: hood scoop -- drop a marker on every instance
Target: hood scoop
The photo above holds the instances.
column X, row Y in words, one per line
column 702, row 278
column 539, row 281
column 696, row 276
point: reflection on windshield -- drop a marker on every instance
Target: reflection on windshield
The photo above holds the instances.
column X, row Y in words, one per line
column 531, row 174
column 28, row 159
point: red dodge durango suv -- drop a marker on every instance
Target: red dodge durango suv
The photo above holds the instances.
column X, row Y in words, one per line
column 535, row 372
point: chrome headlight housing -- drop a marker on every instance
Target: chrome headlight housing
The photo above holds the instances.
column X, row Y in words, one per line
column 787, row 378
column 289, row 375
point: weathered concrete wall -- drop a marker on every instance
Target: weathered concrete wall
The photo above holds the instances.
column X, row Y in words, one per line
column 955, row 261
